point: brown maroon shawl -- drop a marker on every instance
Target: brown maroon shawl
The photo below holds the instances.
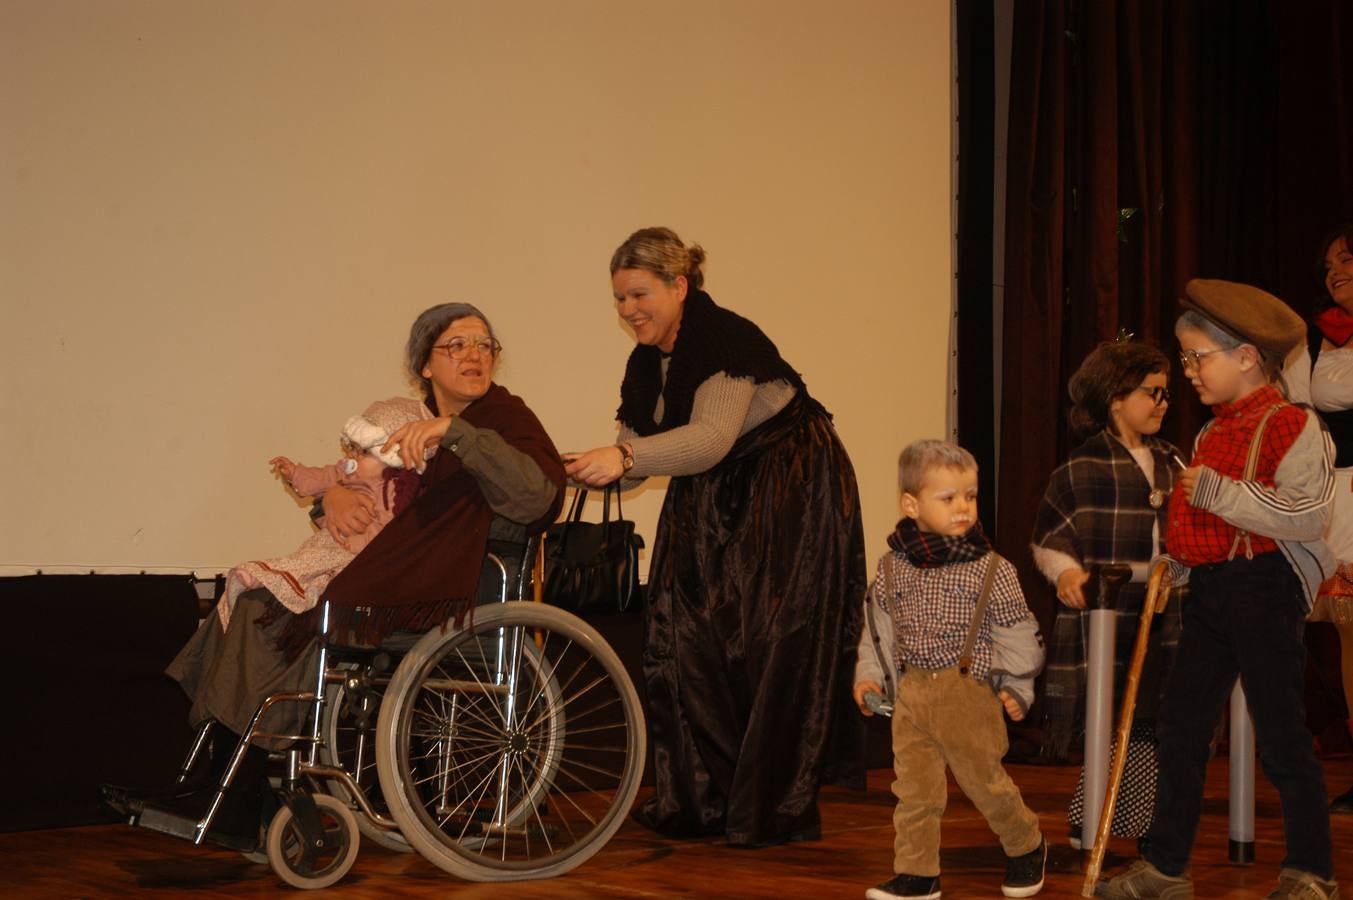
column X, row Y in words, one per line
column 424, row 566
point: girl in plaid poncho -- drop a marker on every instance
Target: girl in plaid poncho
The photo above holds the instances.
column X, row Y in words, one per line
column 1106, row 505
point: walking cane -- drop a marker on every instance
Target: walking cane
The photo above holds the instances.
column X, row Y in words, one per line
column 1157, row 593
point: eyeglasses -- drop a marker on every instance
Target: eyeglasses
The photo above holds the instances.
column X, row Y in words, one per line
column 1157, row 394
column 1193, row 359
column 457, row 348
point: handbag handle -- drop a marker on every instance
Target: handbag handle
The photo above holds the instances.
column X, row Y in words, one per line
column 575, row 509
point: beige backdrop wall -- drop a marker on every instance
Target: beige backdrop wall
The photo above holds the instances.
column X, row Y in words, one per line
column 217, row 220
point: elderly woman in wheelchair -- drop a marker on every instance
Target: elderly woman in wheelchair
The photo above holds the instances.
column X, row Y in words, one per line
column 465, row 737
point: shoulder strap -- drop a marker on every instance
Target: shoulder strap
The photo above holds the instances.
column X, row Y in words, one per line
column 1252, row 459
column 965, row 656
column 1251, row 467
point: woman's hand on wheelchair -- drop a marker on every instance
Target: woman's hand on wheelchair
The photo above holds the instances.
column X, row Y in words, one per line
column 347, row 512
column 416, row 438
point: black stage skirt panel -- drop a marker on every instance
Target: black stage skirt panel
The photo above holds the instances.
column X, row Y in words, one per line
column 754, row 596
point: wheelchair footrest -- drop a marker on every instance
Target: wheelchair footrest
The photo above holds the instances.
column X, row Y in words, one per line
column 181, row 826
column 167, row 822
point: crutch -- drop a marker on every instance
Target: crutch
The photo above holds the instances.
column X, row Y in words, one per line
column 1157, row 593
column 1102, row 596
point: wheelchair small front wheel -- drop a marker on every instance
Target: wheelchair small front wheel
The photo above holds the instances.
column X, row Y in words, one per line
column 288, row 844
column 349, row 743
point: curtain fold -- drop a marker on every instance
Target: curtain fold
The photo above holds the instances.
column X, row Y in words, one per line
column 1037, row 198
column 1314, row 134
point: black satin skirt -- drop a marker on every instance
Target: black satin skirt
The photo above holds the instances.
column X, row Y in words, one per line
column 754, row 599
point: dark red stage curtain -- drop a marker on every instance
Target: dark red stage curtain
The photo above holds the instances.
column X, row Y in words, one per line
column 1315, row 136
column 1101, row 217
column 1152, row 141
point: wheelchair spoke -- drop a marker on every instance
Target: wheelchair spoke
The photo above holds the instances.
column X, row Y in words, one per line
column 515, row 757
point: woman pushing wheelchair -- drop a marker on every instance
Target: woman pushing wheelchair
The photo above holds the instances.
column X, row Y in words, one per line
column 493, row 476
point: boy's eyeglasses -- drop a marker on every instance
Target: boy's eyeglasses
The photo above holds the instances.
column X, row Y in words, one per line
column 1193, row 359
column 458, row 348
column 1158, row 394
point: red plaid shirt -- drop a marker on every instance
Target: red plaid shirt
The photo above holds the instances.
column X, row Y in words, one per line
column 1195, row 536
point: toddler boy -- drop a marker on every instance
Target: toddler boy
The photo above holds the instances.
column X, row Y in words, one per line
column 925, row 602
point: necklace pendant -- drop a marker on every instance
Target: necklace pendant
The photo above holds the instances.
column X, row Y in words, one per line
column 1156, row 499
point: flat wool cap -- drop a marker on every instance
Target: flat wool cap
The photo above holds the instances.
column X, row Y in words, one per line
column 1253, row 315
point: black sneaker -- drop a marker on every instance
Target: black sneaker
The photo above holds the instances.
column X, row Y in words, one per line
column 906, row 887
column 1024, row 874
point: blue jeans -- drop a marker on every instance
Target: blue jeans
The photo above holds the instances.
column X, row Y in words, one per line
column 1241, row 617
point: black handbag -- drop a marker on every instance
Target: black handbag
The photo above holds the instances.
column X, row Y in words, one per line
column 592, row 566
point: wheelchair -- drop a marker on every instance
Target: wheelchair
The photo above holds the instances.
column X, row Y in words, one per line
column 508, row 749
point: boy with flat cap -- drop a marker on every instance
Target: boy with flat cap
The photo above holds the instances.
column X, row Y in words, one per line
column 1244, row 526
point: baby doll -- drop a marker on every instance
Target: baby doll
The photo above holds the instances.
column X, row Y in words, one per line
column 298, row 580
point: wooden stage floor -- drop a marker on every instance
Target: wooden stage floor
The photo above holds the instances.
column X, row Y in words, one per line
column 856, row 852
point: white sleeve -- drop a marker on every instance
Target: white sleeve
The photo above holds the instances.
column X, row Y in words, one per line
column 1052, row 563
column 1332, row 380
column 1297, row 376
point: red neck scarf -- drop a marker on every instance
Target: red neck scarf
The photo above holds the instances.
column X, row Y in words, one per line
column 1336, row 324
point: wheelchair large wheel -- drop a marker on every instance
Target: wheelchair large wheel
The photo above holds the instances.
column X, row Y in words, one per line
column 286, row 845
column 513, row 748
column 349, row 733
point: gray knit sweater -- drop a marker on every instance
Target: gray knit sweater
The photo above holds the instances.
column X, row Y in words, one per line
column 724, row 409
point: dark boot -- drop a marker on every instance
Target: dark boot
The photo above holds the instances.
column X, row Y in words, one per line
column 237, row 819
column 206, row 773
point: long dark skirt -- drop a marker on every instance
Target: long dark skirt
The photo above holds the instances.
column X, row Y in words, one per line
column 754, row 611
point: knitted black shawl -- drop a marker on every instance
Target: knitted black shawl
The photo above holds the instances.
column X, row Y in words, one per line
column 711, row 339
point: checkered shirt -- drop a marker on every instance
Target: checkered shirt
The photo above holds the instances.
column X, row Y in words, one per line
column 932, row 609
column 1197, row 537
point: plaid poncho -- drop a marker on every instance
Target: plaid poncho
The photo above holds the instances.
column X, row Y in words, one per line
column 1096, row 510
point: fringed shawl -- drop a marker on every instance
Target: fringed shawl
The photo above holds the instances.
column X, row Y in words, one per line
column 423, row 568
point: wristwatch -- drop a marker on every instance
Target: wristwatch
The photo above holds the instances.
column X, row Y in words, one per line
column 626, row 456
